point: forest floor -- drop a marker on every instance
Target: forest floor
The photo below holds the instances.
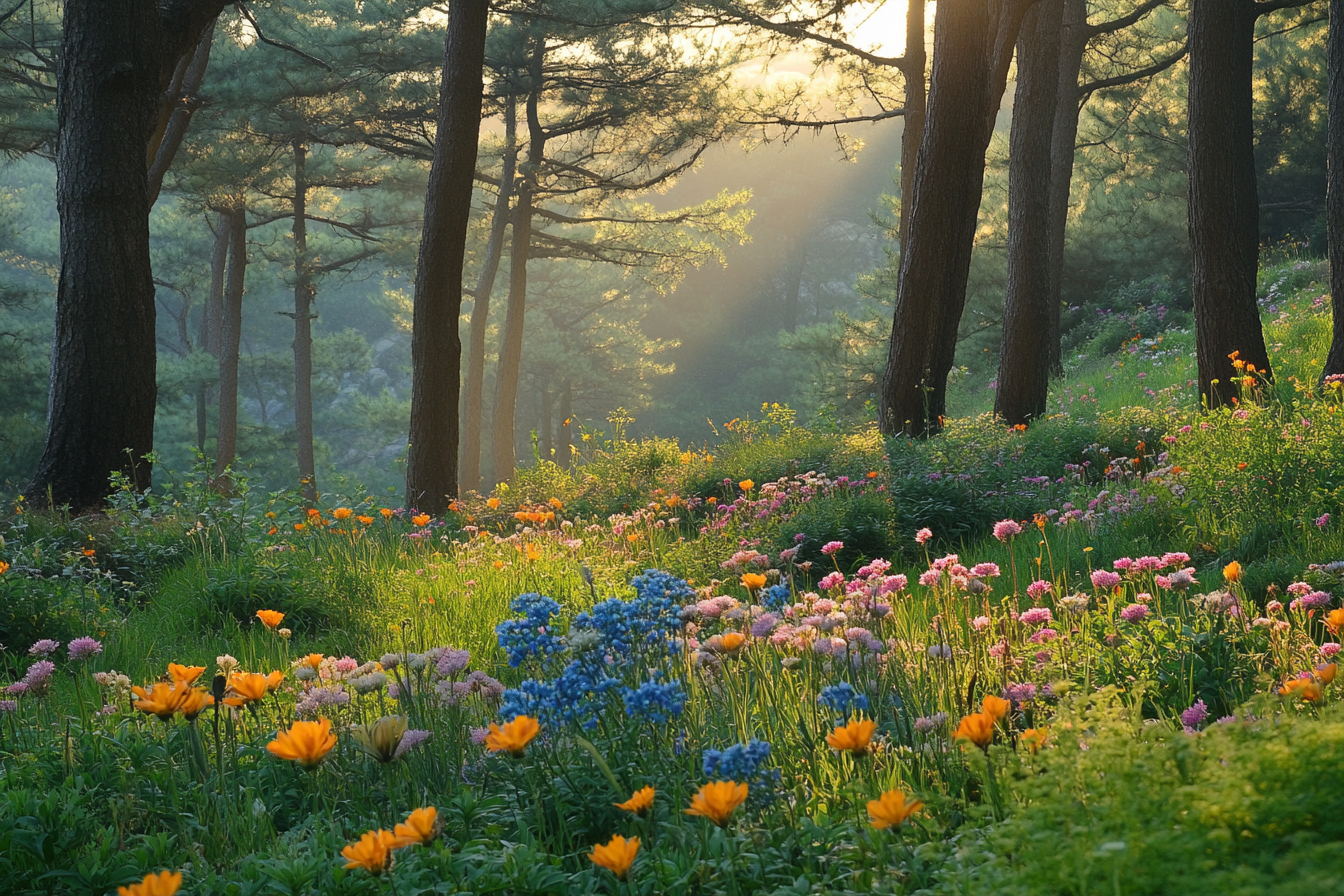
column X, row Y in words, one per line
column 1092, row 656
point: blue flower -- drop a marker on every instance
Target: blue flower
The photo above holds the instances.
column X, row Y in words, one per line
column 742, row 763
column 531, row 635
column 842, row 698
column 653, row 702
column 775, row 598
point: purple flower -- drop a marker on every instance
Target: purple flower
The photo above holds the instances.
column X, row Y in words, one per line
column 1193, row 717
column 763, row 625
column 83, row 648
column 1104, row 580
column 413, row 738
column 1314, row 601
column 1322, row 521
column 1006, row 529
column 8, row 706
column 45, row 647
column 1020, row 693
column 928, row 723
column 1043, row 636
column 1134, row 613
column 832, row 547
column 453, row 661
column 314, row 699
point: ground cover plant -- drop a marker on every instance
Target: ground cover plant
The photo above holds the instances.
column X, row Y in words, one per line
column 1097, row 655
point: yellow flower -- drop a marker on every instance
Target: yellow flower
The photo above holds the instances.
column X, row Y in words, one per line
column 997, row 707
column 373, row 852
column 746, row 485
column 270, row 618
column 492, row 503
column 978, row 728
column 853, row 737
column 165, row 883
column 162, row 700
column 533, row 552
column 381, row 739
column 1232, row 571
column 184, row 674
column 245, row 688
column 4, row 567
column 617, row 856
column 891, row 810
column 194, row 703
column 717, row 800
column 514, row 736
column 305, row 742
column 1035, row 738
column 421, row 826
column 753, row 581
column 421, row 519
column 640, row 801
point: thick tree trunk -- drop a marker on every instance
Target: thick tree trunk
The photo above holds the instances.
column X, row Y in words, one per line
column 916, row 99
column 1334, row 201
column 973, row 42
column 436, row 347
column 511, row 345
column 183, row 100
column 303, row 330
column 1224, row 207
column 100, row 412
column 1063, row 143
column 230, row 339
column 473, row 391
column 1024, row 356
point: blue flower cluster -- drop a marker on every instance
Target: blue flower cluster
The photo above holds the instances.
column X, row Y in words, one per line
column 531, row 635
column 842, row 698
column 740, row 762
column 651, row 619
column 654, row 702
column 775, row 598
column 576, row 695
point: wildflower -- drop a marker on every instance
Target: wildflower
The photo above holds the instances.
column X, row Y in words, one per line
column 1334, row 620
column 832, row 547
column 386, row 513
column 365, row 520
column 312, row 660
column 995, row 707
column 184, row 674
column 284, row 633
column 270, row 618
column 381, row 739
column 753, row 581
column 1307, row 689
column 928, row 723
column 978, row 728
column 373, row 852
column 165, row 883
column 842, row 698
column 45, row 647
column 717, row 800
column 1020, row 693
column 1321, row 522
column 731, row 642
column 1038, row 589
column 342, row 513
column 4, row 567
column 413, row 738
column 274, row 680
column 891, row 810
column 1035, row 616
column 1325, row 673
column 83, row 648
column 923, row 535
column 1134, row 613
column 226, row 664
column 640, row 802
column 514, row 736
column 1232, row 572
column 1104, row 580
column 305, row 742
column 1006, row 529
column 654, row 702
column 194, row 702
column 421, row 826
column 421, row 519
column 853, row 737
column 617, row 855
column 245, row 688
column 746, row 485
column 1035, row 738
column 1193, row 717
column 161, row 700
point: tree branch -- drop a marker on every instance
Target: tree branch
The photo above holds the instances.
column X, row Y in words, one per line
column 1265, row 7
column 1138, row 75
column 818, row 125
column 251, row 20
column 1124, row 21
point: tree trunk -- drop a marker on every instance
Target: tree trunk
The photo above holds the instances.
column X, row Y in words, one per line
column 303, row 330
column 1024, row 356
column 473, row 392
column 100, row 411
column 1063, row 142
column 183, row 97
column 1224, row 209
column 511, row 345
column 545, row 433
column 211, row 320
column 1334, row 202
column 436, row 347
column 916, row 97
column 795, row 261
column 230, row 339
column 973, row 42
column 564, row 439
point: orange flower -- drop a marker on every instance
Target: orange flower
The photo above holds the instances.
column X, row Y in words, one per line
column 421, row 519
column 1241, row 466
column 312, row 659
column 492, row 503
column 373, row 852
column 746, row 485
column 342, row 513
column 270, row 618
column 162, row 700
column 891, row 810
column 1232, row 572
column 996, row 707
column 853, row 737
column 978, row 728
column 165, row 883
column 245, row 688
column 386, row 513
column 617, row 855
column 185, row 674
column 365, row 520
column 299, row 527
column 89, row 552
column 421, row 826
column 753, row 581
column 514, row 736
column 194, row 702
column 1334, row 620
column 274, row 680
column 305, row 742
column 640, row 801
column 499, row 564
column 4, row 567
column 314, row 512
column 1035, row 738
column 533, row 552
column 731, row 642
column 717, row 800
column 556, row 503
column 1307, row 689
column 1325, row 673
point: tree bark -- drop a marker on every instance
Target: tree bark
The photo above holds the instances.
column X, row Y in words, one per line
column 303, row 330
column 1224, row 207
column 973, row 41
column 1024, row 356
column 1334, row 201
column 511, row 345
column 545, row 434
column 473, row 392
column 100, row 411
column 436, row 347
column 212, row 320
column 916, row 99
column 564, row 440
column 183, row 100
column 230, row 339
column 1063, row 143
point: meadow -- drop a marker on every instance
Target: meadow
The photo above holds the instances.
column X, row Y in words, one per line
column 1092, row 656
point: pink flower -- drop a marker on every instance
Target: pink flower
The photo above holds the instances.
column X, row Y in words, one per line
column 1035, row 616
column 929, row 578
column 1043, row 636
column 1006, row 529
column 1329, row 649
column 985, row 570
column 831, row 580
column 980, row 623
column 1322, row 521
column 1038, row 589
column 832, row 547
column 1134, row 613
column 892, row 584
column 923, row 535
column 83, row 648
column 1104, row 580
column 1274, row 606
column 1123, row 564
column 943, row 563
column 1175, row 558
